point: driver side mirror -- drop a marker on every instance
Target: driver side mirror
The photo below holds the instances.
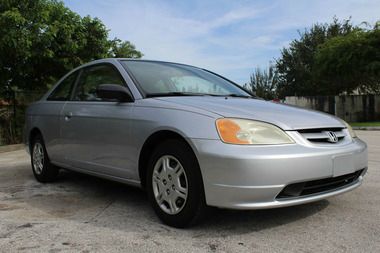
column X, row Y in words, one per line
column 114, row 92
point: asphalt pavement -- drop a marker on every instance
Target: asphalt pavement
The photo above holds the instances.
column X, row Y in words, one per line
column 80, row 213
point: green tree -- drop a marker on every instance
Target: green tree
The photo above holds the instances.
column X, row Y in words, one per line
column 41, row 40
column 350, row 62
column 263, row 83
column 295, row 66
column 124, row 49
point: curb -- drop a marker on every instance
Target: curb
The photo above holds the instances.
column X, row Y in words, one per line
column 367, row 128
column 9, row 148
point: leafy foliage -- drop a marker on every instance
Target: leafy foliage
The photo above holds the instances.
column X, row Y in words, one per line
column 350, row 62
column 42, row 39
column 263, row 83
column 124, row 49
column 295, row 66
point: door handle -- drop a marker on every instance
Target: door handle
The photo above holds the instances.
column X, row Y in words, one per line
column 68, row 116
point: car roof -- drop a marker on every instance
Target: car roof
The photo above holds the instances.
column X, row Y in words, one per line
column 134, row 59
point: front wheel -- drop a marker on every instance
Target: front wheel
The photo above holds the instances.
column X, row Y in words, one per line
column 175, row 185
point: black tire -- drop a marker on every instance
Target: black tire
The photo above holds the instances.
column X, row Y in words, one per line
column 194, row 207
column 47, row 172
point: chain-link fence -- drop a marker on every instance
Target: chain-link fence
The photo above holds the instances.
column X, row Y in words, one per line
column 12, row 115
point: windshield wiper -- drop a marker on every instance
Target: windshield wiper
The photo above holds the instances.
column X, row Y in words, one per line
column 237, row 96
column 230, row 95
column 174, row 94
column 181, row 93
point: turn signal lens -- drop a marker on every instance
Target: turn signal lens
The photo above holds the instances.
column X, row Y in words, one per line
column 229, row 131
column 242, row 131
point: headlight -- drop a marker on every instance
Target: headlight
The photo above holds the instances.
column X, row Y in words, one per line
column 350, row 130
column 242, row 131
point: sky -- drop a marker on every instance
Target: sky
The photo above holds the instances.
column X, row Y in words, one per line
column 230, row 37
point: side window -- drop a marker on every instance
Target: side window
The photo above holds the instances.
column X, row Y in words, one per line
column 63, row 90
column 91, row 78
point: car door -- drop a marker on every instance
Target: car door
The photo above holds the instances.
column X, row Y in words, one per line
column 97, row 132
column 50, row 116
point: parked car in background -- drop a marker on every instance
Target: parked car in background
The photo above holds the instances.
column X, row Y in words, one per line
column 190, row 138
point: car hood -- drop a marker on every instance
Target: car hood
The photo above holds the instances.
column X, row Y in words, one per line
column 285, row 116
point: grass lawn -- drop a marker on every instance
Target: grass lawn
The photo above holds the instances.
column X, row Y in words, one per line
column 365, row 124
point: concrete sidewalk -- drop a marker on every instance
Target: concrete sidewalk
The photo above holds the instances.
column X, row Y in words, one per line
column 367, row 128
column 9, row 148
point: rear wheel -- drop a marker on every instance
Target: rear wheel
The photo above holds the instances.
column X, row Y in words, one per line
column 175, row 185
column 43, row 170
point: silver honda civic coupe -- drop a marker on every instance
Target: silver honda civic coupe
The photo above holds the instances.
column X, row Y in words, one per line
column 191, row 138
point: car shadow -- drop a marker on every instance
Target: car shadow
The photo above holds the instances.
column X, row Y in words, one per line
column 103, row 203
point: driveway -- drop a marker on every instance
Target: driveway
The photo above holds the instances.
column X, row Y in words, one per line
column 84, row 214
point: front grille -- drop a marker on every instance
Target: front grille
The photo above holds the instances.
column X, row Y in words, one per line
column 323, row 135
column 318, row 186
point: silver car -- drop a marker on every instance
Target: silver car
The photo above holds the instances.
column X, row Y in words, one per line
column 190, row 138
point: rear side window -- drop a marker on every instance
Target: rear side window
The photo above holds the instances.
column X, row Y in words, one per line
column 94, row 76
column 63, row 90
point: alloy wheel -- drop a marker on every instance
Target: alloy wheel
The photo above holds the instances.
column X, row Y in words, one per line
column 38, row 158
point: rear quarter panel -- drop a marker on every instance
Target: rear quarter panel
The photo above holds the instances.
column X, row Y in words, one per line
column 45, row 116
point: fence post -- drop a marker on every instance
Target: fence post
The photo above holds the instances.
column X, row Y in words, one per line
column 14, row 110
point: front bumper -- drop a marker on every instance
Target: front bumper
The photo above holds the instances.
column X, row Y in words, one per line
column 251, row 177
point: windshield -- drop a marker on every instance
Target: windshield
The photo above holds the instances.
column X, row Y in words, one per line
column 170, row 79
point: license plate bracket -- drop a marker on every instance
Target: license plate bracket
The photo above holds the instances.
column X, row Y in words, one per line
column 343, row 165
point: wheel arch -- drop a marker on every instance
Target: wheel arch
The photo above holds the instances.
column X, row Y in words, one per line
column 32, row 134
column 151, row 143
